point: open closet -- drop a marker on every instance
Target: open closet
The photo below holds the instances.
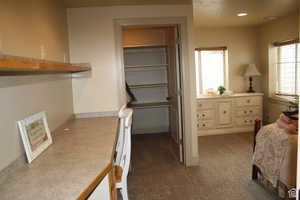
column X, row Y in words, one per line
column 152, row 74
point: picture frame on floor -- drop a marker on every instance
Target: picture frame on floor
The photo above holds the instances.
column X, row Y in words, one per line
column 35, row 135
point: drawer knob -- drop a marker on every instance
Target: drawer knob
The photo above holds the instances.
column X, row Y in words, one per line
column 246, row 121
column 224, row 111
column 248, row 101
column 245, row 111
column 203, row 115
column 250, row 111
column 203, row 125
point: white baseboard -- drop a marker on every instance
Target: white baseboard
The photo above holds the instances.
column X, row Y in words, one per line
column 97, row 114
column 195, row 161
column 222, row 131
column 150, row 130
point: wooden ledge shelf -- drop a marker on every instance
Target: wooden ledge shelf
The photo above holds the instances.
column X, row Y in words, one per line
column 14, row 64
column 150, row 105
column 157, row 85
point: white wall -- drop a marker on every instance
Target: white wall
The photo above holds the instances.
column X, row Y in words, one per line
column 298, row 161
column 91, row 34
column 25, row 26
column 242, row 50
column 251, row 45
column 285, row 28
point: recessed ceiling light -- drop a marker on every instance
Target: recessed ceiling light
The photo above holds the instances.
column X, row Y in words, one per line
column 270, row 18
column 242, row 14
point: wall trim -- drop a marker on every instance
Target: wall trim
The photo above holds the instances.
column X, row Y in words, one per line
column 96, row 114
column 188, row 86
column 194, row 161
column 224, row 131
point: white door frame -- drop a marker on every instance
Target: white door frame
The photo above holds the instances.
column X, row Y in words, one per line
column 298, row 164
column 187, row 114
column 179, row 89
column 298, row 160
column 298, row 167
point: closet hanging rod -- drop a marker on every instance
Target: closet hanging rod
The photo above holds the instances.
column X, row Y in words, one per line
column 155, row 85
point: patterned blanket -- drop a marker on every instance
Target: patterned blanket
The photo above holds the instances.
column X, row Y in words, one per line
column 271, row 148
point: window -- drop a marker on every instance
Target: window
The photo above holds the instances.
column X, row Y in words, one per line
column 210, row 68
column 288, row 68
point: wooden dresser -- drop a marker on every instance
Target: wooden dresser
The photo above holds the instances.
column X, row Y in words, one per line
column 228, row 114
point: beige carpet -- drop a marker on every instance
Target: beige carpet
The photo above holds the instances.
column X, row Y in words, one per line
column 224, row 172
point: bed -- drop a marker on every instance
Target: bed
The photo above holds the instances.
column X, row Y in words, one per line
column 275, row 158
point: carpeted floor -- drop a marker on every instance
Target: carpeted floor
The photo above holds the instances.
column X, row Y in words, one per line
column 224, row 171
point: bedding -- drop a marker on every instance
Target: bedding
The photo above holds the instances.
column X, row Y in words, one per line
column 288, row 124
column 276, row 153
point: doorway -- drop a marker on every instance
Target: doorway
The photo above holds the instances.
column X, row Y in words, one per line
column 152, row 73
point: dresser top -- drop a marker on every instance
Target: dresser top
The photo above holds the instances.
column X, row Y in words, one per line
column 69, row 166
column 236, row 95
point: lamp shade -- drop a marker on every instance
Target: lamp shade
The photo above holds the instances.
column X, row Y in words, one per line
column 251, row 71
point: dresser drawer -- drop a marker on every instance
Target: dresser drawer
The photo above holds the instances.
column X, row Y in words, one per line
column 206, row 114
column 248, row 101
column 224, row 113
column 207, row 124
column 205, row 105
column 247, row 111
column 245, row 121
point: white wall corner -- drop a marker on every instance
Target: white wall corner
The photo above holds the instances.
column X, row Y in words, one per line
column 194, row 161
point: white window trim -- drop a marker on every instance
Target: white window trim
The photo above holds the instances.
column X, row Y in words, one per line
column 273, row 77
column 226, row 70
column 272, row 71
column 200, row 91
column 284, row 99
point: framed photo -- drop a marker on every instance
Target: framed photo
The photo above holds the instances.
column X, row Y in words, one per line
column 35, row 135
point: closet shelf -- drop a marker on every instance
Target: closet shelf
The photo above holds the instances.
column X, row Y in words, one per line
column 145, row 66
column 144, row 46
column 150, row 105
column 19, row 64
column 148, row 85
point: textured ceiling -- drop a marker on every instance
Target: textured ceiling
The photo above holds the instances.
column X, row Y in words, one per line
column 212, row 12
column 224, row 12
column 90, row 3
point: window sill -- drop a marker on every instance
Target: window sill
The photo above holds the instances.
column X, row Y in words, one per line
column 283, row 99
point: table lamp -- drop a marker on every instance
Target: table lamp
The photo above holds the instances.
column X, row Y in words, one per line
column 250, row 72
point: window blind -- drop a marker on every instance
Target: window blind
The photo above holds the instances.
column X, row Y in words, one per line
column 288, row 68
